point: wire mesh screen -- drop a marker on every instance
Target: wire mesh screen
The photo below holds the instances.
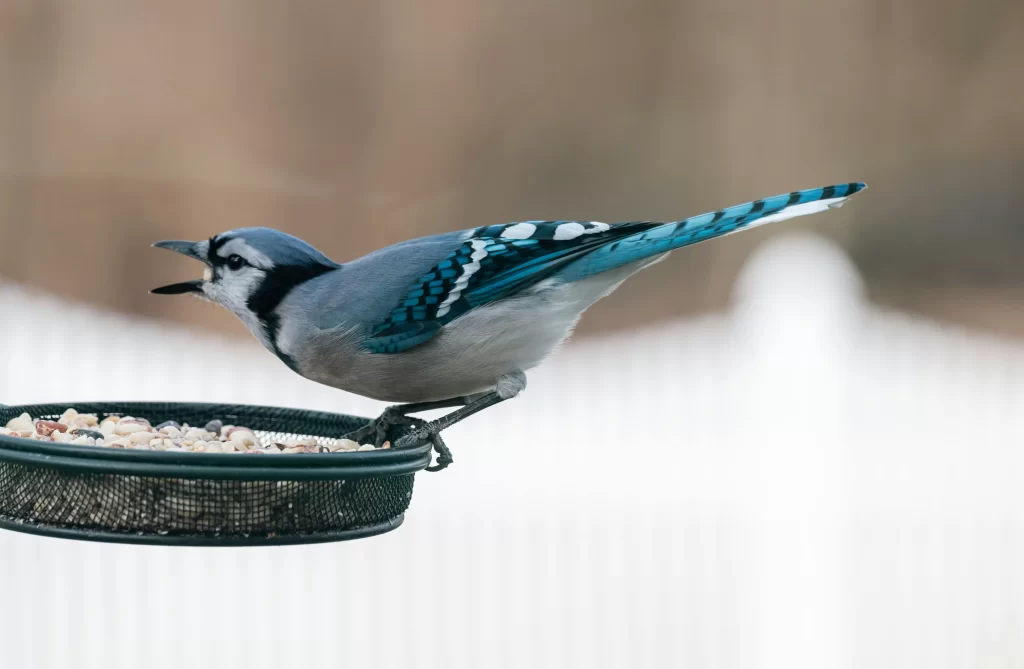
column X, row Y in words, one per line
column 120, row 503
column 183, row 506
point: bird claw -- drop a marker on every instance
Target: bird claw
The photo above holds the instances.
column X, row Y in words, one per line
column 380, row 428
column 394, row 416
column 444, row 455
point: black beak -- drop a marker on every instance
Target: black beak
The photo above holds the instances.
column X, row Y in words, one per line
column 190, row 249
column 179, row 288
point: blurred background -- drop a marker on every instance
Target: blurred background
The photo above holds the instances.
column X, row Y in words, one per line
column 357, row 125
column 834, row 400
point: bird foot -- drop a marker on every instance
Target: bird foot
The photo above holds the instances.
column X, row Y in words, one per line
column 444, row 455
column 381, row 427
column 395, row 416
column 508, row 386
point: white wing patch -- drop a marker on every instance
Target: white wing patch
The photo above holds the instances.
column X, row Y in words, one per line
column 568, row 231
column 468, row 270
column 572, row 230
column 519, row 231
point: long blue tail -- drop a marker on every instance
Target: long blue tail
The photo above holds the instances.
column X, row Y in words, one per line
column 701, row 228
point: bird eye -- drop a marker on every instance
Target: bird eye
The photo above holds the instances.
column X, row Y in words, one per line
column 235, row 262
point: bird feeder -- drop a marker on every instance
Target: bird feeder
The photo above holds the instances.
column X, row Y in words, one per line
column 206, row 499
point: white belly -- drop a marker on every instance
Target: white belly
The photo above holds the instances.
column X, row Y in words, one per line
column 469, row 354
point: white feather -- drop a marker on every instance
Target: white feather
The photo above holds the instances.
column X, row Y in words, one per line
column 233, row 291
column 520, row 231
column 567, row 231
column 797, row 210
column 468, row 270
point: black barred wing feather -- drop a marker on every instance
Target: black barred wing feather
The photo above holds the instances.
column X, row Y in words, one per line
column 494, row 262
column 498, row 261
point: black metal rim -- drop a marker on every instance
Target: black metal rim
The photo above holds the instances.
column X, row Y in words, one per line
column 201, row 540
column 225, row 472
column 304, row 467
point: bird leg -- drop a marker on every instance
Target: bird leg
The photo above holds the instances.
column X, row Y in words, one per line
column 399, row 415
column 432, row 431
column 508, row 386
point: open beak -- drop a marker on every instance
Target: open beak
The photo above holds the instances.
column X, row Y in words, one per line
column 194, row 250
column 183, row 288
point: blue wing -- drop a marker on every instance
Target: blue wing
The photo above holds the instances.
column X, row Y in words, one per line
column 499, row 261
column 494, row 262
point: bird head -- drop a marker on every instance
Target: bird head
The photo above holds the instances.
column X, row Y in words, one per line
column 248, row 270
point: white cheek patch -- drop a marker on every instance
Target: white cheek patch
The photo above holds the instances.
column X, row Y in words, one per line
column 233, row 289
column 596, row 227
column 519, row 231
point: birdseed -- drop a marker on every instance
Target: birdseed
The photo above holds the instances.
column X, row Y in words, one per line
column 134, row 433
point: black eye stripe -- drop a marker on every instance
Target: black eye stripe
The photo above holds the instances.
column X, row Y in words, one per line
column 218, row 260
column 215, row 243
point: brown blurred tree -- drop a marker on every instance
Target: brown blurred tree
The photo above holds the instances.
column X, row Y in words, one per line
column 356, row 125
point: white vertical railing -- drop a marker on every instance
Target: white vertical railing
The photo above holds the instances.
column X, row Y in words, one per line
column 805, row 481
column 792, row 341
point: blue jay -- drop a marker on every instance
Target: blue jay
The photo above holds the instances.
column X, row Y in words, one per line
column 452, row 320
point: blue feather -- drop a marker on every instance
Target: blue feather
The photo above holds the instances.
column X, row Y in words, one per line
column 499, row 261
column 695, row 229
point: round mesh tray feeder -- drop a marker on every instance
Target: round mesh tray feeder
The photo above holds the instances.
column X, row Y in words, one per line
column 205, row 499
